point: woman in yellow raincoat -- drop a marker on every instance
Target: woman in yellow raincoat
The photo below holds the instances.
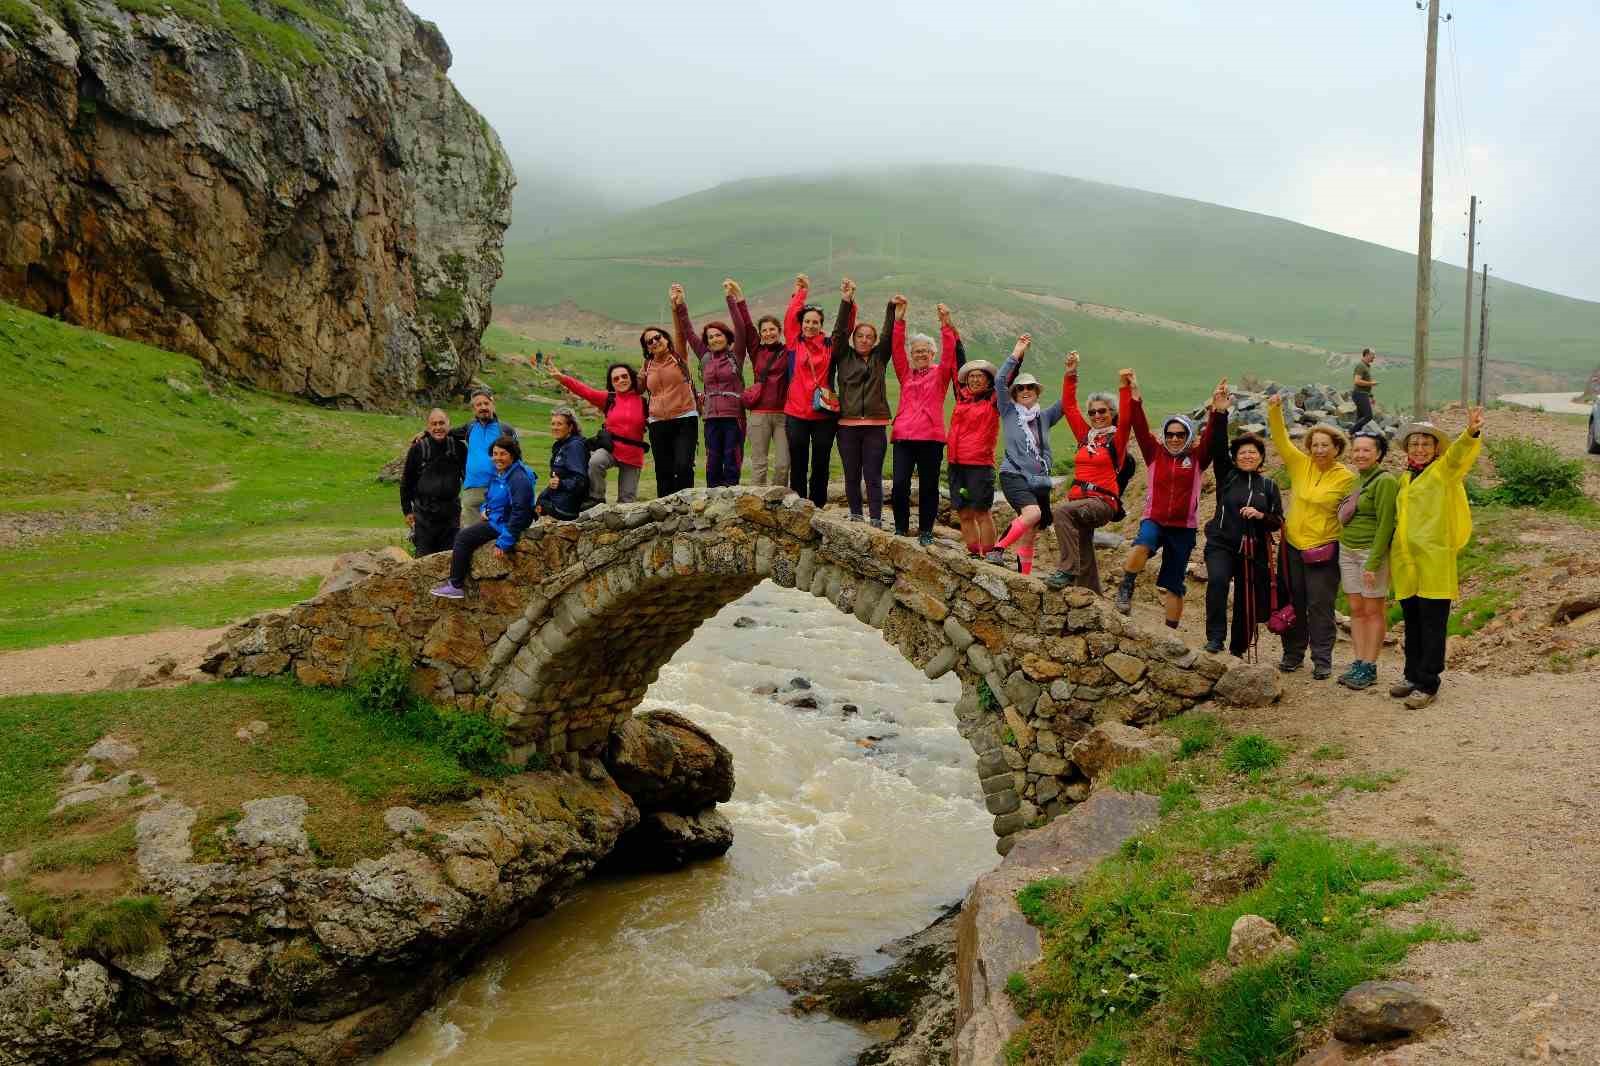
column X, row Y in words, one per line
column 1432, row 524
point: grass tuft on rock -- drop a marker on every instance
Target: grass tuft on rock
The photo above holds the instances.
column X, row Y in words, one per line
column 1251, row 753
column 125, row 925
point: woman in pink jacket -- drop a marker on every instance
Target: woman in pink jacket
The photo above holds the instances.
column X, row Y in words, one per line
column 919, row 423
column 722, row 350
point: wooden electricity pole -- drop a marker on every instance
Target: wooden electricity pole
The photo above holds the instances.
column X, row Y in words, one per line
column 1419, row 366
column 1466, row 316
column 1483, row 334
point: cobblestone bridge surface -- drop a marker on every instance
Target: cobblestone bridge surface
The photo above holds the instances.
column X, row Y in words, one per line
column 561, row 641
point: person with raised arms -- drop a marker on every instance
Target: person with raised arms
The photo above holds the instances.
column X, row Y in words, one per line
column 1239, row 535
column 810, row 408
column 1025, row 467
column 1100, row 471
column 974, row 432
column 722, row 350
column 764, row 397
column 919, row 435
column 857, row 376
column 674, row 411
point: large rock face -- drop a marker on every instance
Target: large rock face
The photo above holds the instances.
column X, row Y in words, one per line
column 306, row 204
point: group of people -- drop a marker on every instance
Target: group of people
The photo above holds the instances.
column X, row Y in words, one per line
column 1362, row 529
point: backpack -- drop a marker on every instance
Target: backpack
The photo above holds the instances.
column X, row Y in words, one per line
column 1125, row 471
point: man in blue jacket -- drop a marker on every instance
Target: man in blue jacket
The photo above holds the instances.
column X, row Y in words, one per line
column 507, row 513
column 478, row 435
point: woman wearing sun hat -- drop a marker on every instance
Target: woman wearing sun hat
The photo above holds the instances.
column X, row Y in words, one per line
column 1025, row 468
column 1432, row 523
column 1311, row 537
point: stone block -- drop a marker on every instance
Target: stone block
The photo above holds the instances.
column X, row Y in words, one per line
column 957, row 634
column 1126, row 667
column 980, row 658
column 1003, row 802
column 1051, row 765
column 942, row 663
column 1019, row 728
column 1112, row 744
column 1040, row 668
column 1020, row 692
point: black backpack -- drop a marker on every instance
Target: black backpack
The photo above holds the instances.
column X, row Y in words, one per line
column 1125, row 471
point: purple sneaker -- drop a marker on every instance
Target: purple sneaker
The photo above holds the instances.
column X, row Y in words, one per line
column 448, row 591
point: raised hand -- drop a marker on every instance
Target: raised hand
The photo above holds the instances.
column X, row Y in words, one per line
column 1275, row 401
column 944, row 314
column 1221, row 398
column 1019, row 351
column 847, row 289
column 729, row 287
column 675, row 295
column 1072, row 362
column 900, row 303
column 1125, row 378
column 802, row 282
column 1475, row 420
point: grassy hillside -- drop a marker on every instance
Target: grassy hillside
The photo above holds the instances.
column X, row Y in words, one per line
column 138, row 495
column 989, row 229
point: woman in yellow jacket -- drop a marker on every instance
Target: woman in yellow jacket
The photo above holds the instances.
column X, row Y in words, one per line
column 1432, row 524
column 1311, row 531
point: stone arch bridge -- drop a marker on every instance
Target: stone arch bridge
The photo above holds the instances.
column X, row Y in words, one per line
column 561, row 641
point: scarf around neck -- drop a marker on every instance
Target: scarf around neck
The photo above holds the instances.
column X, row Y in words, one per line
column 1026, row 416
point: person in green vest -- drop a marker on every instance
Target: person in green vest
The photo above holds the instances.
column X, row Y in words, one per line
column 1368, row 517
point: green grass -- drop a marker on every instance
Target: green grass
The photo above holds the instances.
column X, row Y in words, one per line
column 83, row 852
column 1329, row 753
column 1132, row 950
column 968, row 233
column 1251, row 753
column 1197, row 732
column 121, row 926
column 346, row 762
column 1370, row 782
column 1146, row 775
column 194, row 494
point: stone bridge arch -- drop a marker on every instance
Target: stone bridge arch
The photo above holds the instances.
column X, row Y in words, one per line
column 561, row 643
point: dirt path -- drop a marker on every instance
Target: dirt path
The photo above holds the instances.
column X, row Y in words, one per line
column 86, row 665
column 1505, row 771
column 1556, row 403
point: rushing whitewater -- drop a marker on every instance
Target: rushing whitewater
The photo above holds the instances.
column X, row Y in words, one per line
column 842, row 843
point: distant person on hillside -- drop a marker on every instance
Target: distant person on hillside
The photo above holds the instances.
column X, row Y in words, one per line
column 1368, row 514
column 1311, row 537
column 1239, row 535
column 478, row 435
column 722, row 350
column 919, row 423
column 621, row 442
column 567, row 492
column 430, row 486
column 1361, row 392
column 507, row 512
column 810, row 407
column 1432, row 524
column 1174, row 469
column 856, row 375
column 674, row 411
column 764, row 397
column 1100, row 471
column 1025, row 468
column 974, row 431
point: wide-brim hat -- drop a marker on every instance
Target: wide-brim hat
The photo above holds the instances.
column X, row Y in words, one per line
column 978, row 364
column 1430, row 429
column 1341, row 439
column 1023, row 381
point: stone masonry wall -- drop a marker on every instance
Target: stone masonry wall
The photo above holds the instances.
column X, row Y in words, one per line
column 561, row 643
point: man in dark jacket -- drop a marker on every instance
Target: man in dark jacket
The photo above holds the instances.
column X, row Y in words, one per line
column 430, row 486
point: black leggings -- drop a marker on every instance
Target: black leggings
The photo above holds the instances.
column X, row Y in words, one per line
column 673, row 440
column 861, row 450
column 1363, row 402
column 1427, row 630
column 1226, row 569
column 468, row 541
column 810, row 447
column 924, row 458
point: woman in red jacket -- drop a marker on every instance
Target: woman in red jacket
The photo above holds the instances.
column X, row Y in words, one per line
column 811, row 410
column 622, row 439
column 919, row 434
column 722, row 350
column 765, row 395
column 974, row 431
column 1097, row 479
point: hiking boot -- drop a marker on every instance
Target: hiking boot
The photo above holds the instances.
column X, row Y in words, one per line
column 1350, row 675
column 1321, row 673
column 447, row 591
column 1213, row 647
column 924, row 539
column 1060, row 580
column 1365, row 679
column 1287, row 667
column 855, row 518
column 901, row 532
column 997, row 556
column 876, row 523
column 1419, row 699
column 1125, row 598
column 1401, row 689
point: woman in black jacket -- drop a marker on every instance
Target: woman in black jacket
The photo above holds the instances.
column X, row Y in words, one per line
column 857, row 376
column 568, row 487
column 1249, row 509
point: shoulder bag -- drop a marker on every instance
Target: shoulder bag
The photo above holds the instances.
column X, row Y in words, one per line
column 1282, row 619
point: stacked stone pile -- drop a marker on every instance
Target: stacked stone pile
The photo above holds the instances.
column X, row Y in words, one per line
column 1305, row 406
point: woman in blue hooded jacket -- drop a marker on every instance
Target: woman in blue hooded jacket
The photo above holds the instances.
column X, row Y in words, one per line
column 507, row 512
column 568, row 488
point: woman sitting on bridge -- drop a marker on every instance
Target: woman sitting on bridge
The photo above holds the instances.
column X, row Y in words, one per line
column 722, row 350
column 1099, row 473
column 568, row 489
column 810, row 408
column 856, row 375
column 919, row 423
column 974, row 431
column 1249, row 511
column 507, row 512
column 1432, row 524
column 1025, row 469
column 621, row 440
column 1311, row 537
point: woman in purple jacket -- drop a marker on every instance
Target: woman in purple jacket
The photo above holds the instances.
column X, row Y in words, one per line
column 722, row 350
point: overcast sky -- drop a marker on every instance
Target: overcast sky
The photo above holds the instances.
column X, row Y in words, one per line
column 1311, row 112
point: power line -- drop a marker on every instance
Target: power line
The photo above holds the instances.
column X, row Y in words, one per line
column 1461, row 107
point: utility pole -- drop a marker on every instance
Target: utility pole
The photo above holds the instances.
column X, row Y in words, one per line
column 1466, row 316
column 1483, row 334
column 1419, row 366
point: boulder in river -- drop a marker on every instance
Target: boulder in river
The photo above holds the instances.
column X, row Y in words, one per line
column 663, row 761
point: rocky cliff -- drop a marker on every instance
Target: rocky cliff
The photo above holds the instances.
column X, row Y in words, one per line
column 291, row 191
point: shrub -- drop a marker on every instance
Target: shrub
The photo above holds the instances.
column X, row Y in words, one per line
column 1533, row 474
column 1251, row 753
column 476, row 742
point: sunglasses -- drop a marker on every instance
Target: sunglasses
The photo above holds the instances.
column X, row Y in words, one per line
column 619, row 378
column 655, row 338
column 1176, row 436
column 1096, row 412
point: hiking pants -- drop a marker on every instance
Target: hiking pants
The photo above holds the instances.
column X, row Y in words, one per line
column 1363, row 402
column 925, row 458
column 468, row 541
column 861, row 449
column 673, row 441
column 1225, row 567
column 435, row 531
column 724, row 451
column 810, row 449
column 766, row 430
column 1075, row 522
column 1312, row 589
column 627, row 478
column 1427, row 626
